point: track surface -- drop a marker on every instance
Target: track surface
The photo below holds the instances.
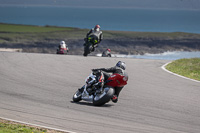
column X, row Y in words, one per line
column 38, row 88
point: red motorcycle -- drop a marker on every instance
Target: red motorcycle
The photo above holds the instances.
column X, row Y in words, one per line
column 98, row 91
column 62, row 51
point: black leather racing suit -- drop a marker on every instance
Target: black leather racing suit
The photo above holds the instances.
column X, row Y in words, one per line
column 98, row 34
column 112, row 70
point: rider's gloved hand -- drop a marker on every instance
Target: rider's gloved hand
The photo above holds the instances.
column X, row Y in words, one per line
column 95, row 71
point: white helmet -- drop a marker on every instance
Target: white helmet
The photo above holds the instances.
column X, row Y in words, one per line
column 62, row 42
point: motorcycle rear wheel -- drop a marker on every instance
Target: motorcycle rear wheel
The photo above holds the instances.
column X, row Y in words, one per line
column 104, row 97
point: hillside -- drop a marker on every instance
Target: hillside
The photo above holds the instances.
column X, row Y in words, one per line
column 45, row 39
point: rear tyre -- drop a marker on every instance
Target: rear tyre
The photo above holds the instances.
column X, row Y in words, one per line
column 104, row 97
column 77, row 96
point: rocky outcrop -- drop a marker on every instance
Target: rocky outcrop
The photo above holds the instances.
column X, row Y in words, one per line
column 120, row 46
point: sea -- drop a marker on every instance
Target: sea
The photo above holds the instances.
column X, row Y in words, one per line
column 117, row 19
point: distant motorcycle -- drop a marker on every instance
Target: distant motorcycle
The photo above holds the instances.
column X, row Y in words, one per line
column 62, row 51
column 98, row 91
column 90, row 44
column 106, row 53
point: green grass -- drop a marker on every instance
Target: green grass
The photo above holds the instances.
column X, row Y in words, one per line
column 29, row 28
column 17, row 128
column 186, row 67
column 13, row 127
column 77, row 33
column 26, row 34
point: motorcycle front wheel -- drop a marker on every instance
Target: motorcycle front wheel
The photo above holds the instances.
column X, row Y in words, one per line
column 77, row 96
column 87, row 49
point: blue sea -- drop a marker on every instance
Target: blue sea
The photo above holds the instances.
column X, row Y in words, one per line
column 120, row 19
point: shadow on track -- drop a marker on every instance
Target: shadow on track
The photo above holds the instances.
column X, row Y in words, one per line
column 90, row 104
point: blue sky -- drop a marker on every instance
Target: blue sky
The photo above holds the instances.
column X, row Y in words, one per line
column 153, row 4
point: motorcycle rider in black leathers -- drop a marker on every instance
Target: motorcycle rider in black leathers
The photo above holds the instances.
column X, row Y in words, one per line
column 119, row 69
column 96, row 33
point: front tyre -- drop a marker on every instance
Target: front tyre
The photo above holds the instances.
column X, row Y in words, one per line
column 104, row 97
column 87, row 49
column 77, row 96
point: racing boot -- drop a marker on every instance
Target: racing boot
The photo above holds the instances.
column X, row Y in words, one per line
column 114, row 99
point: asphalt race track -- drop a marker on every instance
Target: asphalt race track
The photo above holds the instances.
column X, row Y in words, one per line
column 38, row 89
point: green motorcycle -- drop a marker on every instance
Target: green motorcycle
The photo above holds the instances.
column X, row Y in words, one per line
column 90, row 44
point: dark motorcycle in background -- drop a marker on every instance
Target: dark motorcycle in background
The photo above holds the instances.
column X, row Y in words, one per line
column 98, row 91
column 90, row 44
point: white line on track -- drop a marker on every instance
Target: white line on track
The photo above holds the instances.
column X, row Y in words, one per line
column 50, row 128
column 163, row 67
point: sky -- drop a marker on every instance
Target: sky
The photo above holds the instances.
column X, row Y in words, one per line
column 150, row 4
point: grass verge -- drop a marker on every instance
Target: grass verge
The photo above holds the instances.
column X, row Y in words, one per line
column 30, row 28
column 186, row 67
column 14, row 32
column 13, row 127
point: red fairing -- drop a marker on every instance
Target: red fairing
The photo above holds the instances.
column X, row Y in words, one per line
column 62, row 50
column 117, row 80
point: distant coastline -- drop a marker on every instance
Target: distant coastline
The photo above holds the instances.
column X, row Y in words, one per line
column 45, row 39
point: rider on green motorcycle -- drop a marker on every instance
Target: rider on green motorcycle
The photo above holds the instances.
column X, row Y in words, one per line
column 94, row 36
